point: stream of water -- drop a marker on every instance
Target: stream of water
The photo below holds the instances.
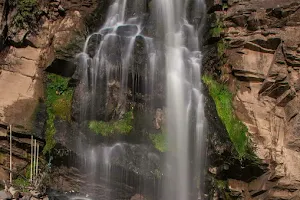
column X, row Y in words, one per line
column 172, row 51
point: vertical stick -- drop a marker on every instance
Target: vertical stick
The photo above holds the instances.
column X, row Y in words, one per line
column 37, row 160
column 31, row 159
column 34, row 157
column 10, row 155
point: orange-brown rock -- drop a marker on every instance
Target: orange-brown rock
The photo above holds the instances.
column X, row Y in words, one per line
column 263, row 54
column 24, row 56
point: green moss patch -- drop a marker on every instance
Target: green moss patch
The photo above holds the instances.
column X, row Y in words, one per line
column 220, row 184
column 216, row 32
column 159, row 141
column 222, row 46
column 58, row 102
column 22, row 184
column 123, row 126
column 223, row 99
column 217, row 28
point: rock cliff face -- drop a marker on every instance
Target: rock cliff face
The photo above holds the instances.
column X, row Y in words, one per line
column 27, row 52
column 258, row 43
column 55, row 33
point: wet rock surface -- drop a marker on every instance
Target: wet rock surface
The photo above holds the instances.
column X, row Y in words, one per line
column 127, row 30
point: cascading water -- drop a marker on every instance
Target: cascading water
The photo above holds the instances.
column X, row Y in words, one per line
column 172, row 58
column 184, row 98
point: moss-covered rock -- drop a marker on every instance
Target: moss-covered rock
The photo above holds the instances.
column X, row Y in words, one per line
column 58, row 102
column 159, row 141
column 223, row 99
column 217, row 28
column 123, row 126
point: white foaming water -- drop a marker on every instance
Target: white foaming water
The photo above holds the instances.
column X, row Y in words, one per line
column 112, row 58
column 183, row 62
column 111, row 61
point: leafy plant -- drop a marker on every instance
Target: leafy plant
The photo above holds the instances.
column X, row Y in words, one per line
column 217, row 28
column 122, row 126
column 22, row 184
column 58, row 102
column 223, row 99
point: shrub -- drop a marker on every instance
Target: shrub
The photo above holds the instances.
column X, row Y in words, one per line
column 22, row 184
column 223, row 100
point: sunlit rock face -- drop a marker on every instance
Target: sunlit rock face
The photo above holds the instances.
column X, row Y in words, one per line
column 25, row 53
column 261, row 69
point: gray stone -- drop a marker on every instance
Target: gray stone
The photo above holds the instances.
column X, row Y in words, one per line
column 15, row 193
column 5, row 195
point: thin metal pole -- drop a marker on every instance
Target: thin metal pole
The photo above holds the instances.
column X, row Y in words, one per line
column 37, row 160
column 10, row 155
column 31, row 159
column 34, row 158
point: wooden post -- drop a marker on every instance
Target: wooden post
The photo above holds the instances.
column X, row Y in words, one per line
column 37, row 160
column 31, row 159
column 10, row 155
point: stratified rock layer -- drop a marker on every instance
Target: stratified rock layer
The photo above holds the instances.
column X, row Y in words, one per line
column 262, row 69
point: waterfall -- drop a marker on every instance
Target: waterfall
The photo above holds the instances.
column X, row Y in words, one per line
column 184, row 98
column 172, row 58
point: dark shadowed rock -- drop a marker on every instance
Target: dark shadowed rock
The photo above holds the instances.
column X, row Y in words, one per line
column 93, row 44
column 105, row 31
column 127, row 30
column 112, row 44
